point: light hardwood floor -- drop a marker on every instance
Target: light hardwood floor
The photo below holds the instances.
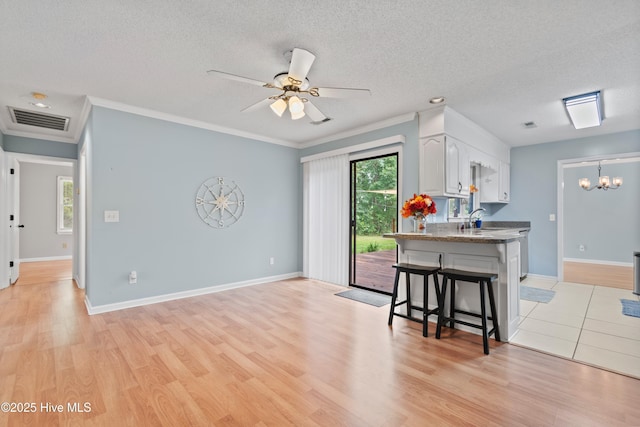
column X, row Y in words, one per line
column 284, row 353
column 613, row 276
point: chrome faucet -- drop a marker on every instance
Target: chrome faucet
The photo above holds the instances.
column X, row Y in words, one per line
column 471, row 215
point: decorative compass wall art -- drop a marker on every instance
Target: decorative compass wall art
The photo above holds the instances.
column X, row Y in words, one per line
column 219, row 204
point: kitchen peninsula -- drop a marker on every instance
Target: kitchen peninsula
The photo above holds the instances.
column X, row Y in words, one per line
column 488, row 250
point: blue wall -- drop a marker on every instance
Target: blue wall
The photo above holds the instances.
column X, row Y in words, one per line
column 534, row 189
column 40, row 147
column 150, row 171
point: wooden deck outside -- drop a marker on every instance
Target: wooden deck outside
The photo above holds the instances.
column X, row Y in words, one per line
column 374, row 271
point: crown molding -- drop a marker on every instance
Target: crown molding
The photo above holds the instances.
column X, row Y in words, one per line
column 403, row 118
column 113, row 105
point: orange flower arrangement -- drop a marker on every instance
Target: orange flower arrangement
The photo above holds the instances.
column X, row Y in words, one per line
column 418, row 205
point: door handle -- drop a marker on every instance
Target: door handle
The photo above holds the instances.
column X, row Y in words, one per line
column 21, row 226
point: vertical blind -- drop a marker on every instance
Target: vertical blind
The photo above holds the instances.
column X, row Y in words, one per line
column 326, row 219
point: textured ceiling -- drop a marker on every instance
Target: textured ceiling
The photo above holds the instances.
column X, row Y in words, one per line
column 500, row 63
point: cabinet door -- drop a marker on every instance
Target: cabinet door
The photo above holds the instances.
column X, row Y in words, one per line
column 456, row 168
column 505, row 177
column 432, row 166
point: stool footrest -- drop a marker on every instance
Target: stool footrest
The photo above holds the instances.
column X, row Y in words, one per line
column 468, row 313
column 404, row 316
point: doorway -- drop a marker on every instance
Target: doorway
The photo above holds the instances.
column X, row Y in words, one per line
column 40, row 205
column 373, row 212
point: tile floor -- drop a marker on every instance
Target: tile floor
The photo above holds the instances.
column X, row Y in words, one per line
column 584, row 323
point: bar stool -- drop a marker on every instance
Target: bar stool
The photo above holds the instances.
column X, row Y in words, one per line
column 425, row 272
column 481, row 279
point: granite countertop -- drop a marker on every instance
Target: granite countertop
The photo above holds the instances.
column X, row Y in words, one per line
column 491, row 232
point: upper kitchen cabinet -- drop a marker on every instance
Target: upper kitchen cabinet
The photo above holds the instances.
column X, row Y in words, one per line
column 494, row 185
column 449, row 144
column 444, row 167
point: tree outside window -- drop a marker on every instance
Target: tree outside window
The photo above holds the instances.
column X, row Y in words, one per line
column 65, row 204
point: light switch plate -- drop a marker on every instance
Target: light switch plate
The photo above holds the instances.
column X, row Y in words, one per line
column 111, row 216
column 552, row 217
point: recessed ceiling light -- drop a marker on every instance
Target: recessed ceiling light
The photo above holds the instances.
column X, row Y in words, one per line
column 39, row 96
column 40, row 105
column 437, row 100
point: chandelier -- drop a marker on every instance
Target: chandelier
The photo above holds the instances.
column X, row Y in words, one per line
column 603, row 182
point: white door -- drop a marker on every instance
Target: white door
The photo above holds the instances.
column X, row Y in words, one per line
column 14, row 219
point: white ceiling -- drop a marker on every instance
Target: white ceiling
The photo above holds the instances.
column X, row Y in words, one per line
column 500, row 63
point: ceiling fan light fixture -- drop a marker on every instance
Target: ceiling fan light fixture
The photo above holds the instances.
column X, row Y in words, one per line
column 296, row 116
column 296, row 106
column 279, row 107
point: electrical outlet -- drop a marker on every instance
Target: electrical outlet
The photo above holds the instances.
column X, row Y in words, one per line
column 64, row 245
column 133, row 278
column 272, row 261
column 552, row 217
column 581, row 248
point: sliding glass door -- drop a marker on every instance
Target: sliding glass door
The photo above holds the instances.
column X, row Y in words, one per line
column 374, row 211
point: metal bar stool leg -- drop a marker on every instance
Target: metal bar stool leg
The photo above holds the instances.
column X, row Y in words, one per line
column 425, row 302
column 394, row 297
column 408, row 285
column 494, row 318
column 483, row 316
column 441, row 301
column 452, row 304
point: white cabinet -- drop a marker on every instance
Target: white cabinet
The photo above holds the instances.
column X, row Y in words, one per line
column 444, row 167
column 494, row 185
column 504, row 194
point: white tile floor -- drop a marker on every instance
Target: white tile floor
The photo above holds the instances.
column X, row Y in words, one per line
column 584, row 323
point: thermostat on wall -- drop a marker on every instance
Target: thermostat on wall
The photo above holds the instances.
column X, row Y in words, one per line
column 111, row 216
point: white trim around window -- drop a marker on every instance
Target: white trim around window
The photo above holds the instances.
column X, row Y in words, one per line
column 63, row 202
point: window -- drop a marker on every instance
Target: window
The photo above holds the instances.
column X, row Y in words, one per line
column 461, row 208
column 65, row 204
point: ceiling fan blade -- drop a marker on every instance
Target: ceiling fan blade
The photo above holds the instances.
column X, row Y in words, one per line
column 312, row 111
column 301, row 61
column 236, row 78
column 257, row 105
column 342, row 92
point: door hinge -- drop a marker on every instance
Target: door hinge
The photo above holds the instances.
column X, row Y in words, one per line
column 11, row 171
column 10, row 264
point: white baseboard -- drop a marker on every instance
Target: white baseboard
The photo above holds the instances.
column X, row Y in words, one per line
column 597, row 261
column 105, row 308
column 47, row 258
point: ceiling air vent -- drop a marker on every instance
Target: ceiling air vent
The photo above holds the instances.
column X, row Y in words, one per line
column 41, row 120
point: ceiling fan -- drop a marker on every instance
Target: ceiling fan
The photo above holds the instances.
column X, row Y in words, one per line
column 295, row 88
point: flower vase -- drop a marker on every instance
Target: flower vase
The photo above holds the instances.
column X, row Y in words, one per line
column 419, row 224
